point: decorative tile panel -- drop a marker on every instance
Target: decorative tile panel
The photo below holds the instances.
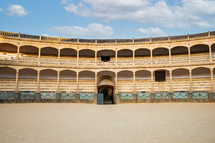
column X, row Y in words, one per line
column 213, row 95
column 200, row 95
column 27, row 95
column 161, row 95
column 126, row 96
column 67, row 95
column 86, row 95
column 143, row 95
column 45, row 95
column 180, row 95
column 7, row 95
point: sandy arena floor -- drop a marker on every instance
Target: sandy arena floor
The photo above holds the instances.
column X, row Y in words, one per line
column 127, row 123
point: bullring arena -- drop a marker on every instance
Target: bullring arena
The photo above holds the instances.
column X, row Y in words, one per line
column 50, row 88
column 107, row 71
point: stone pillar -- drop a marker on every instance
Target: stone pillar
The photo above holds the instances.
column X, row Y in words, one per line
column 58, row 87
column 77, row 86
column 133, row 57
column 18, row 49
column 58, row 56
column 77, row 57
column 151, row 54
column 39, row 55
column 212, row 81
column 95, row 57
column 191, row 88
column 152, row 87
column 189, row 54
column 17, row 86
column 170, row 56
column 116, row 55
column 134, row 88
column 38, row 87
column 116, row 90
column 96, row 89
column 210, row 52
column 171, row 86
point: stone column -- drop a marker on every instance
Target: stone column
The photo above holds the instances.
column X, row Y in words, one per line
column 133, row 57
column 77, row 86
column 39, row 55
column 58, row 56
column 210, row 52
column 77, row 57
column 171, row 86
column 58, row 87
column 38, row 87
column 17, row 86
column 189, row 54
column 191, row 88
column 212, row 81
column 95, row 57
column 18, row 48
column 116, row 89
column 116, row 55
column 151, row 53
column 152, row 87
column 96, row 89
column 170, row 56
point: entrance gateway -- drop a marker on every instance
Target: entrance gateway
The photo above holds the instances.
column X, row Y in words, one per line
column 106, row 90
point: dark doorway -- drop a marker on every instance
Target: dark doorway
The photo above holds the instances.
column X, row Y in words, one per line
column 107, row 92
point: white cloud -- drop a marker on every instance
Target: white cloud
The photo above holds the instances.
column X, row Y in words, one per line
column 17, row 11
column 1, row 9
column 152, row 32
column 93, row 30
column 189, row 13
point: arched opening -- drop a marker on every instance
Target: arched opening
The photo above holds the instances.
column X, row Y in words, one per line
column 161, row 80
column 160, row 56
column 142, row 56
column 179, row 54
column 27, row 80
column 125, row 57
column 87, row 82
column 106, row 87
column 48, row 80
column 199, row 53
column 7, row 79
column 86, row 57
column 125, row 81
column 143, row 81
column 28, row 54
column 49, row 55
column 106, row 57
column 180, row 80
column 68, row 56
column 68, row 82
column 8, row 52
column 213, row 52
column 201, row 79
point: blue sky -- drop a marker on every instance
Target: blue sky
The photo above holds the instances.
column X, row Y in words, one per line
column 107, row 18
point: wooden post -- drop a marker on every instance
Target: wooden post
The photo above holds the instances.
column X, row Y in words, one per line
column 18, row 48
column 151, row 56
column 17, row 81
column 77, row 57
column 95, row 57
column 39, row 55
column 189, row 54
column 116, row 55
column 58, row 56
column 170, row 56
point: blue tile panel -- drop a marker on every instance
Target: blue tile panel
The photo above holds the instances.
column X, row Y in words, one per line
column 67, row 95
column 45, row 95
column 180, row 95
column 27, row 95
column 213, row 95
column 7, row 95
column 126, row 96
column 163, row 95
column 86, row 95
column 200, row 95
column 143, row 95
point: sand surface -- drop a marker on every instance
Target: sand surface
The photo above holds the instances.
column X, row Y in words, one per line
column 127, row 123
